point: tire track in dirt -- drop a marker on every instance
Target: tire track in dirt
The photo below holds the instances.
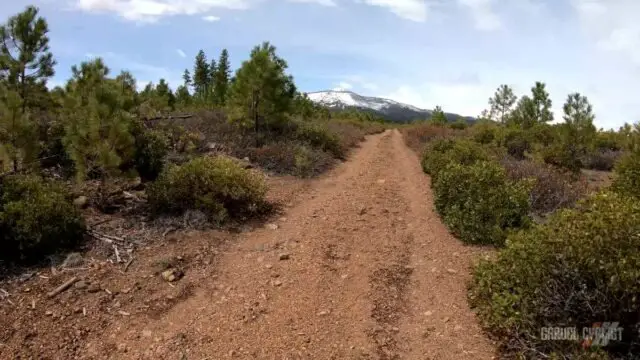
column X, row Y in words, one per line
column 364, row 258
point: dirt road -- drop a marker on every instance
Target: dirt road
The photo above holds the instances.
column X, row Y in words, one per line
column 360, row 268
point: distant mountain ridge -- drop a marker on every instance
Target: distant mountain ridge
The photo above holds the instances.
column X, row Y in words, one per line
column 386, row 108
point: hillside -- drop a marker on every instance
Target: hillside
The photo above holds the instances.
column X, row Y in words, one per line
column 389, row 109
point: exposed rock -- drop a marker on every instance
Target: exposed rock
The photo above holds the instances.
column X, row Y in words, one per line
column 81, row 284
column 172, row 275
column 452, row 271
column 73, row 260
column 272, row 226
column 284, row 256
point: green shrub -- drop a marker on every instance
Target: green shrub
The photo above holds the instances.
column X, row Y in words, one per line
column 150, row 150
column 479, row 204
column 517, row 143
column 561, row 155
column 440, row 153
column 581, row 267
column 320, row 137
column 627, row 175
column 310, row 162
column 459, row 124
column 484, row 133
column 217, row 186
column 36, row 219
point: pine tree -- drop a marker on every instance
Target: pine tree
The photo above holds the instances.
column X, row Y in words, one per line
column 25, row 60
column 524, row 114
column 165, row 97
column 201, row 76
column 182, row 96
column 186, row 78
column 542, row 103
column 213, row 68
column 97, row 128
column 25, row 66
column 221, row 80
column 262, row 92
column 17, row 131
column 502, row 102
column 578, row 130
column 438, row 117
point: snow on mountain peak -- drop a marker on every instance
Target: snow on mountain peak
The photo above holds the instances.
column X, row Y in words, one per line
column 345, row 98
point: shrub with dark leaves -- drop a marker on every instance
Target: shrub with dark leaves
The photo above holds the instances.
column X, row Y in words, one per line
column 579, row 268
column 479, row 204
column 217, row 186
column 37, row 218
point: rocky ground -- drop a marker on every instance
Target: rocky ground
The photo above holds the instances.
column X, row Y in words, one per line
column 356, row 265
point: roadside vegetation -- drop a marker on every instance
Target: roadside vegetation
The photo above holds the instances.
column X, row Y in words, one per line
column 559, row 201
column 98, row 140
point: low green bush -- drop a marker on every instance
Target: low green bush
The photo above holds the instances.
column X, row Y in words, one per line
column 151, row 147
column 321, row 137
column 581, row 267
column 484, row 133
column 37, row 218
column 516, row 142
column 479, row 204
column 217, row 186
column 627, row 175
column 309, row 161
column 563, row 156
column 440, row 153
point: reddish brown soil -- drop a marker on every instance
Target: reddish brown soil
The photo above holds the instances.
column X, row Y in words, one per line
column 360, row 267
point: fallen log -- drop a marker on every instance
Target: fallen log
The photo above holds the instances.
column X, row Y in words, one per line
column 62, row 287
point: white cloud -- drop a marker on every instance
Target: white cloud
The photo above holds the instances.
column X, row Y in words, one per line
column 210, row 18
column 613, row 24
column 152, row 10
column 342, row 86
column 319, row 2
column 181, row 53
column 463, row 99
column 414, row 10
column 483, row 14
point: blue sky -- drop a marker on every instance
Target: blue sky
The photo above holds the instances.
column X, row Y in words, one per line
column 452, row 53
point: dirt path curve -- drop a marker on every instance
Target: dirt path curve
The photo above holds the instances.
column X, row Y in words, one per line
column 363, row 269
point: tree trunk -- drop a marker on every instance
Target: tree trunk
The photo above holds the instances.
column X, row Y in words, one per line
column 254, row 105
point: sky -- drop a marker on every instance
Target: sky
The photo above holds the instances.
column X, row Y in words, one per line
column 451, row 53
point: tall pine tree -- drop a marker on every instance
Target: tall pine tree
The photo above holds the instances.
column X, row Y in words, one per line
column 438, row 117
column 201, row 77
column 25, row 66
column 262, row 92
column 502, row 102
column 97, row 128
column 221, row 80
column 542, row 103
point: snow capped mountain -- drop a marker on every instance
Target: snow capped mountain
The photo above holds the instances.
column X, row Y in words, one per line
column 343, row 98
column 389, row 109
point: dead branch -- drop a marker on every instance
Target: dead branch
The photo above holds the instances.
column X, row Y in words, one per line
column 117, row 253
column 126, row 266
column 169, row 230
column 62, row 287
